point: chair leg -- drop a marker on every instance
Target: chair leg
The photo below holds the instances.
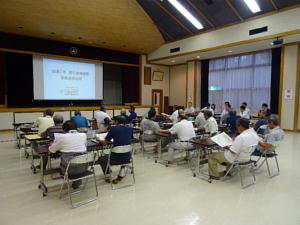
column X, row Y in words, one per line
column 69, row 192
column 96, row 187
column 240, row 175
column 227, row 172
column 61, row 187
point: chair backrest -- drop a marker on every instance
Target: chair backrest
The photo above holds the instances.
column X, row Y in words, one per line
column 122, row 149
column 148, row 132
column 84, row 158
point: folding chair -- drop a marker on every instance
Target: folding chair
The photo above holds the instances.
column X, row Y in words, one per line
column 267, row 154
column 127, row 165
column 87, row 160
column 143, row 141
column 239, row 165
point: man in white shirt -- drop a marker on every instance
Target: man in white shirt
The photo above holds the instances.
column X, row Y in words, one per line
column 174, row 116
column 240, row 150
column 70, row 144
column 190, row 109
column 211, row 125
column 185, row 131
column 244, row 113
column 246, row 108
column 45, row 122
column 100, row 116
column 225, row 112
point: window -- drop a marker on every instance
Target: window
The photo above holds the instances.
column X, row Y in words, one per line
column 237, row 79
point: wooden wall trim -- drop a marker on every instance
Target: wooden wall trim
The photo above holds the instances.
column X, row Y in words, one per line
column 42, row 109
column 195, row 81
column 296, row 111
column 281, row 83
column 186, row 83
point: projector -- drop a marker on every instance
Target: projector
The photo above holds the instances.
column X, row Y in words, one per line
column 277, row 42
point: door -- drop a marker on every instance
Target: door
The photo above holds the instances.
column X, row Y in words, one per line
column 157, row 99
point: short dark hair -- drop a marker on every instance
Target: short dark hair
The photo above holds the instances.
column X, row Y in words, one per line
column 242, row 107
column 151, row 113
column 207, row 113
column 244, row 103
column 207, row 104
column 226, row 103
column 102, row 108
column 121, row 119
column 273, row 119
column 182, row 117
column 49, row 112
column 265, row 105
column 132, row 107
column 77, row 113
column 69, row 125
column 245, row 123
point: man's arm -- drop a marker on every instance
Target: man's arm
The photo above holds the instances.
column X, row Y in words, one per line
column 265, row 146
column 55, row 146
column 164, row 131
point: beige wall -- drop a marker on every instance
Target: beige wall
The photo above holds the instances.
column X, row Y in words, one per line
column 146, row 90
column 190, row 81
column 289, row 82
column 286, row 21
column 178, row 85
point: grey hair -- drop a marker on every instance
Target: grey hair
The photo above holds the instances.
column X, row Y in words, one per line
column 58, row 118
column 274, row 119
column 207, row 113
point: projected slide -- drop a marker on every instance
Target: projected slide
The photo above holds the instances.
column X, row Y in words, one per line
column 58, row 79
column 68, row 80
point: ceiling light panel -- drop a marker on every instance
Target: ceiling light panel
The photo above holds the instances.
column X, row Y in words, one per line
column 252, row 5
column 186, row 14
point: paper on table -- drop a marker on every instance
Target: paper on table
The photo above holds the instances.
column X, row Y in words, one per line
column 222, row 140
column 102, row 136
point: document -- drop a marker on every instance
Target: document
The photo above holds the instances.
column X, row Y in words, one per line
column 102, row 136
column 222, row 140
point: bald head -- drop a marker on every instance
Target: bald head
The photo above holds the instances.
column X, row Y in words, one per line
column 58, row 119
column 180, row 112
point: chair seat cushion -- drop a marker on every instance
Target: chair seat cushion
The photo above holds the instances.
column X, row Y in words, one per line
column 247, row 163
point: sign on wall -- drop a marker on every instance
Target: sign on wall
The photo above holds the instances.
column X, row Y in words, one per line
column 288, row 94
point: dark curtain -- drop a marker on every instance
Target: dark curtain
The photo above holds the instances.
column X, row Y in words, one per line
column 275, row 79
column 204, row 82
column 130, row 84
column 2, row 78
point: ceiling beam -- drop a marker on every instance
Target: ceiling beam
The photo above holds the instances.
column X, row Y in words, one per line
column 274, row 5
column 173, row 17
column 234, row 10
column 199, row 11
column 164, row 31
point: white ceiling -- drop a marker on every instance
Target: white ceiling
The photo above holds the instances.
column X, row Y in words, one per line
column 250, row 47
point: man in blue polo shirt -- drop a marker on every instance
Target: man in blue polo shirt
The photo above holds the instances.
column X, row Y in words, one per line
column 132, row 115
column 122, row 136
column 81, row 121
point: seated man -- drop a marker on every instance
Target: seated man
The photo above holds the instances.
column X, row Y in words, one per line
column 70, row 144
column 100, row 117
column 185, row 131
column 262, row 121
column 149, row 125
column 208, row 108
column 271, row 140
column 244, row 113
column 264, row 108
column 81, row 121
column 57, row 128
column 190, row 109
column 211, row 125
column 200, row 120
column 132, row 114
column 226, row 113
column 238, row 151
column 122, row 136
column 231, row 121
column 44, row 122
